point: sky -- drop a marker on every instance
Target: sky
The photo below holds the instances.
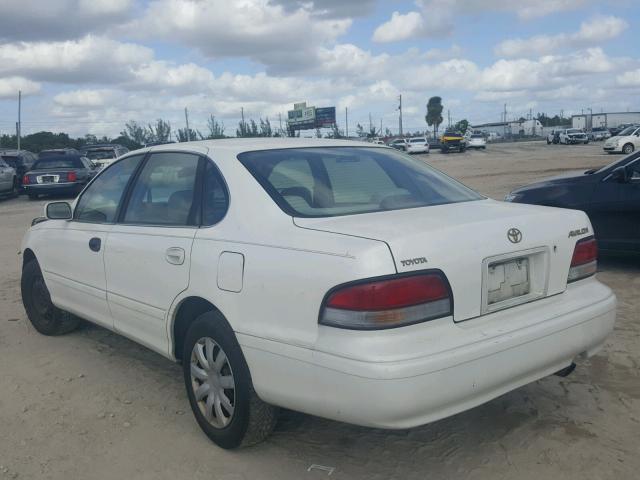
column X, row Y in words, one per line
column 89, row 66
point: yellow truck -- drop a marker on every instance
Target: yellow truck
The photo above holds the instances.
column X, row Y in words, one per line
column 452, row 140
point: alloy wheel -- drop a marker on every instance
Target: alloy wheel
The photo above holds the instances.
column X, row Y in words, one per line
column 213, row 382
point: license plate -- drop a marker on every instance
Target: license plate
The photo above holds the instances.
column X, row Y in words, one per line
column 48, row 179
column 508, row 279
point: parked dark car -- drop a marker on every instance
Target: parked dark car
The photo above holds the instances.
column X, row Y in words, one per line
column 103, row 155
column 58, row 174
column 21, row 161
column 610, row 196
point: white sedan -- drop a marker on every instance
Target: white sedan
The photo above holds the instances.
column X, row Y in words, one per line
column 417, row 145
column 477, row 140
column 341, row 279
column 627, row 141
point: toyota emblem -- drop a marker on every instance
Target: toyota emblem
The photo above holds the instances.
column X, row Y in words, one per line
column 514, row 235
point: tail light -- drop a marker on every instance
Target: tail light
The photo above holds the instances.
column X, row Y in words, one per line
column 584, row 262
column 26, row 180
column 388, row 302
column 72, row 176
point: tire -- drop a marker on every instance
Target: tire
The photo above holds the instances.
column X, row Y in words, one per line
column 628, row 148
column 46, row 318
column 251, row 420
column 548, row 142
column 15, row 191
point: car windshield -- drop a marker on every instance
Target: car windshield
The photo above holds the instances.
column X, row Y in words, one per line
column 327, row 182
column 100, row 154
column 627, row 131
column 57, row 162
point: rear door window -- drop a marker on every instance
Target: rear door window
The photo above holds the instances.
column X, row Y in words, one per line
column 164, row 192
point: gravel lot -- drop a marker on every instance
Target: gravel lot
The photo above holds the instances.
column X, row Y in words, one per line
column 93, row 405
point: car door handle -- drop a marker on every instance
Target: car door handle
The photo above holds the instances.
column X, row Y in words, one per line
column 94, row 244
column 174, row 255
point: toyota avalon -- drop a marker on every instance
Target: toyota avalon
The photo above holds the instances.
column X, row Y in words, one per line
column 341, row 279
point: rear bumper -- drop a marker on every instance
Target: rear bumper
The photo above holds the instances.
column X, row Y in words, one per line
column 52, row 188
column 487, row 358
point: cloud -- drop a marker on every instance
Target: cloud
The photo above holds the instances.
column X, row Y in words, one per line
column 89, row 59
column 435, row 18
column 592, row 32
column 85, row 98
column 330, row 8
column 59, row 19
column 629, row 79
column 283, row 41
column 9, row 87
column 400, row 27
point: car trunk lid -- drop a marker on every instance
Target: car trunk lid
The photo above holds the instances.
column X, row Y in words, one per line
column 470, row 242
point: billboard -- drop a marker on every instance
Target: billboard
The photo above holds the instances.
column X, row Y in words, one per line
column 303, row 117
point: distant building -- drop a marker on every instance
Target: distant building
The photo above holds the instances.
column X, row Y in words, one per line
column 587, row 121
column 524, row 128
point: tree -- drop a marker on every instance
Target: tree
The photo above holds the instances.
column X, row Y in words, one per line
column 242, row 130
column 89, row 138
column 434, row 114
column 318, row 133
column 160, row 132
column 265, row 128
column 359, row 130
column 335, row 132
column 462, row 125
column 192, row 135
column 216, row 128
column 135, row 132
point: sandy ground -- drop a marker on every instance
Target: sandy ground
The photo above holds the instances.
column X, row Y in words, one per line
column 93, row 405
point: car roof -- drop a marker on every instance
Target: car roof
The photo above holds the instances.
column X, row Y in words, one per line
column 236, row 146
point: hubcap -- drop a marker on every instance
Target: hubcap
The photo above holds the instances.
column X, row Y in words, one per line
column 212, row 381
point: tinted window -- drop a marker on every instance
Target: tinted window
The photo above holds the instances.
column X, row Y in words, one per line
column 56, row 162
column 323, row 182
column 163, row 193
column 99, row 203
column 418, row 140
column 11, row 160
column 215, row 196
column 634, row 171
column 100, row 154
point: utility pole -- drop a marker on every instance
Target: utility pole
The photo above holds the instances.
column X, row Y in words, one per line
column 346, row 122
column 242, row 114
column 19, row 124
column 400, row 119
column 380, row 127
column 186, row 117
column 505, row 120
column 370, row 124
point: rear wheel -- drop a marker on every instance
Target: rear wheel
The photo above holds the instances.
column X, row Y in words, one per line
column 628, row 148
column 45, row 317
column 219, row 386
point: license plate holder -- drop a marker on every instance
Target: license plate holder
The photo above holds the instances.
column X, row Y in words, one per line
column 508, row 279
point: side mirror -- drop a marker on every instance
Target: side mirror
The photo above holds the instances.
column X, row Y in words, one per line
column 620, row 175
column 58, row 211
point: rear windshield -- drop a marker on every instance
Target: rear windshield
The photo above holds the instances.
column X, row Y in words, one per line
column 10, row 160
column 57, row 162
column 327, row 182
column 476, row 136
column 100, row 154
column 418, row 140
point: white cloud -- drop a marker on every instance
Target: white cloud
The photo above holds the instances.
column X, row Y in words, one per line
column 629, row 79
column 592, row 32
column 435, row 18
column 9, row 87
column 399, row 27
column 59, row 19
column 85, row 98
column 91, row 58
column 282, row 40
